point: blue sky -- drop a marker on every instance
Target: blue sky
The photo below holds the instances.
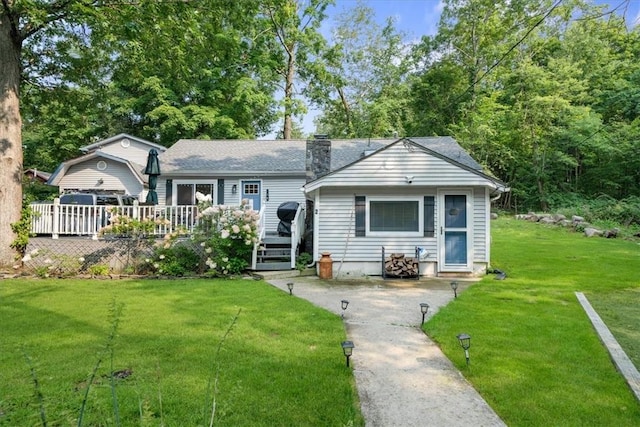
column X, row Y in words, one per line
column 420, row 17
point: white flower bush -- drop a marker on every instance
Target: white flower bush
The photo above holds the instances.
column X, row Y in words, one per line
column 228, row 234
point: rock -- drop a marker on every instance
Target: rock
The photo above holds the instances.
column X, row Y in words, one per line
column 591, row 232
column 612, row 234
column 576, row 219
column 559, row 217
column 493, row 215
column 547, row 220
column 565, row 223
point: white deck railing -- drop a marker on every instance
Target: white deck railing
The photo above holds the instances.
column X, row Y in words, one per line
column 87, row 220
column 262, row 231
column 297, row 233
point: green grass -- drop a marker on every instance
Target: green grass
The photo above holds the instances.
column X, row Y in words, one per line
column 534, row 355
column 620, row 310
column 280, row 364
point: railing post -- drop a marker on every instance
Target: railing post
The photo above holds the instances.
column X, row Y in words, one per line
column 136, row 209
column 55, row 231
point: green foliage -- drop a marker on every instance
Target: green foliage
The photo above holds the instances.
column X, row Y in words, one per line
column 624, row 212
column 22, row 229
column 98, row 270
column 303, row 260
column 177, row 260
column 125, row 226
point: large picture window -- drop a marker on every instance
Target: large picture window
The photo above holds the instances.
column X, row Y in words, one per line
column 409, row 216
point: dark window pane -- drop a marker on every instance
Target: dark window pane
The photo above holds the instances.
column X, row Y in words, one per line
column 394, row 216
column 185, row 194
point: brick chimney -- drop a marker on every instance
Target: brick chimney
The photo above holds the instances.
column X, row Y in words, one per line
column 318, row 160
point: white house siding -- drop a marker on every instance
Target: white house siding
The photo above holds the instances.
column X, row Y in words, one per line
column 136, row 152
column 480, row 225
column 116, row 176
column 281, row 189
column 393, row 165
column 358, row 256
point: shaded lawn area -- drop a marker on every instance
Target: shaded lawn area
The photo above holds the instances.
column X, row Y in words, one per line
column 280, row 364
column 534, row 355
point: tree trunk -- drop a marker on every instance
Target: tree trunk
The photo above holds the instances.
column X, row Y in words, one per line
column 10, row 138
column 288, row 92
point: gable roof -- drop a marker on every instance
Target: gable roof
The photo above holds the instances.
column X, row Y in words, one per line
column 112, row 139
column 443, row 148
column 285, row 157
column 63, row 168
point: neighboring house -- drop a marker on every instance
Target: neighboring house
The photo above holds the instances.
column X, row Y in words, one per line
column 112, row 166
column 35, row 175
column 366, row 194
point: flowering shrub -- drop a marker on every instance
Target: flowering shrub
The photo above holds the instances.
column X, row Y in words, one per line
column 174, row 257
column 126, row 226
column 227, row 234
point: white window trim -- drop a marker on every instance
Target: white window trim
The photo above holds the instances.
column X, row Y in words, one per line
column 418, row 199
column 176, row 182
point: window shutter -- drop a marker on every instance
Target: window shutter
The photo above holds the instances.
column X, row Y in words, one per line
column 361, row 219
column 169, row 193
column 429, row 216
column 221, row 191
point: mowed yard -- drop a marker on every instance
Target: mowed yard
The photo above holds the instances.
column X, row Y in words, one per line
column 534, row 355
column 252, row 355
column 240, row 350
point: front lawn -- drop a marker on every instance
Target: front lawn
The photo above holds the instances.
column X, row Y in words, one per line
column 534, row 355
column 280, row 362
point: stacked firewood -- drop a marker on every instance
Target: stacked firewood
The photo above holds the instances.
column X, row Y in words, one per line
column 401, row 266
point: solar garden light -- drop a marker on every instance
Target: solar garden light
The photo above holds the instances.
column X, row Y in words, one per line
column 347, row 349
column 290, row 286
column 454, row 286
column 345, row 304
column 424, row 307
column 465, row 343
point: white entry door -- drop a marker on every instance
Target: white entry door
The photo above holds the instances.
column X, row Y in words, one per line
column 454, row 237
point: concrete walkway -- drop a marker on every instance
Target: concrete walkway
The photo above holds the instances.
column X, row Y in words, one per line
column 403, row 378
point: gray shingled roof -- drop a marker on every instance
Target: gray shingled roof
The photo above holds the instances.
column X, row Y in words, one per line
column 189, row 156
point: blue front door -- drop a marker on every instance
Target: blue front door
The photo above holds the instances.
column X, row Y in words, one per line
column 251, row 190
column 454, row 232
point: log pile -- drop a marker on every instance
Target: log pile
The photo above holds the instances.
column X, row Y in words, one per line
column 400, row 266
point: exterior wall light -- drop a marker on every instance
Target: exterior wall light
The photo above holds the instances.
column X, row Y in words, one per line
column 234, row 188
column 290, row 286
column 347, row 349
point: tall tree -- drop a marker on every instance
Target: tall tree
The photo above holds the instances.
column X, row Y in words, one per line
column 29, row 33
column 295, row 25
column 360, row 83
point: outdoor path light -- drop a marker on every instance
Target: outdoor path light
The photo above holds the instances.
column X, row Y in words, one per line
column 347, row 349
column 290, row 286
column 424, row 307
column 454, row 286
column 345, row 304
column 465, row 343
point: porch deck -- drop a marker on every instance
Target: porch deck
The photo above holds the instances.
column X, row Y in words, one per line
column 53, row 220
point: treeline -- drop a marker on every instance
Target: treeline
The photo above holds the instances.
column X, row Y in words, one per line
column 545, row 94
